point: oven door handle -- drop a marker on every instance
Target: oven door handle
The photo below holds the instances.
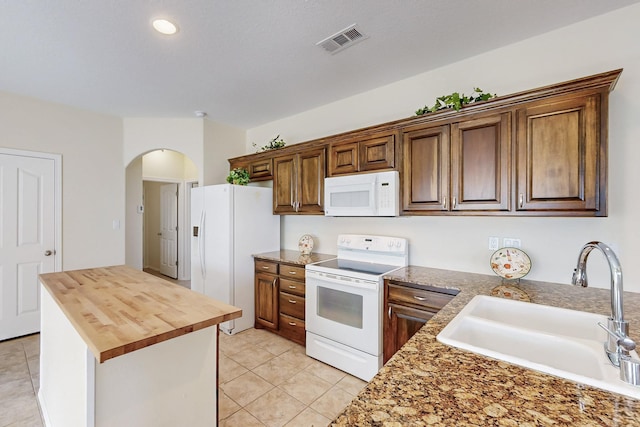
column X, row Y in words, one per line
column 313, row 277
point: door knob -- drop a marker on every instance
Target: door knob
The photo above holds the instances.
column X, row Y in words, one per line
column 49, row 253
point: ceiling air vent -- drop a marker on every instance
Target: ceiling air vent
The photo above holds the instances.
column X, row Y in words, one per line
column 342, row 39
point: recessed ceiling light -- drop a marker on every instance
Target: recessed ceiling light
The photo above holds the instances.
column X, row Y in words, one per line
column 165, row 27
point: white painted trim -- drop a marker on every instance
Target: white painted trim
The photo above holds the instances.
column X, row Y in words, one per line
column 43, row 409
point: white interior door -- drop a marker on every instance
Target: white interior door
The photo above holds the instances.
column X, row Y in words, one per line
column 27, row 241
column 169, row 230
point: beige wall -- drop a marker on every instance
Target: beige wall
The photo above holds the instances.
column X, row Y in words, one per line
column 601, row 44
column 91, row 149
column 221, row 142
column 152, row 224
column 142, row 135
column 134, row 218
column 194, row 150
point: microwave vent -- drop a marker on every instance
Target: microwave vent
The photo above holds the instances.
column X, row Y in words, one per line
column 342, row 39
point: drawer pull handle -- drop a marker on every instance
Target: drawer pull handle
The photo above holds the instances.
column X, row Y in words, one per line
column 292, row 286
column 292, row 324
column 389, row 313
column 419, row 298
column 292, row 301
column 292, row 272
column 265, row 267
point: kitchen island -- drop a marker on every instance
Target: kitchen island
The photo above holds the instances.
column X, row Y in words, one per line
column 120, row 347
column 427, row 383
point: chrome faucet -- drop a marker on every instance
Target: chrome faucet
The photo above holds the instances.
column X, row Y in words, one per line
column 618, row 344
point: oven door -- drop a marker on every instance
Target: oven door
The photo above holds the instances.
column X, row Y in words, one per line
column 345, row 310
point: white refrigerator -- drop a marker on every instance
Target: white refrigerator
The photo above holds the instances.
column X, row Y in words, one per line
column 230, row 223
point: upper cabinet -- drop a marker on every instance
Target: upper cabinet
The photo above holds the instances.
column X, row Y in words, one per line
column 463, row 166
column 298, row 183
column 561, row 155
column 541, row 152
column 362, row 154
column 260, row 169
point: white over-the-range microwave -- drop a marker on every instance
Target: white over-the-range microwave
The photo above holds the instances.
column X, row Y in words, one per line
column 368, row 194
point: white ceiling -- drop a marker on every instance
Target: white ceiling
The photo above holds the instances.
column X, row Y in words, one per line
column 248, row 62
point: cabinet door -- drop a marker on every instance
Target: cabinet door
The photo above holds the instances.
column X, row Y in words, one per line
column 400, row 325
column 311, row 172
column 377, row 153
column 266, row 300
column 284, row 184
column 261, row 170
column 480, row 164
column 559, row 156
column 343, row 158
column 426, row 169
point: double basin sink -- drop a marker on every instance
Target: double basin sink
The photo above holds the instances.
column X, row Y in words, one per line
column 561, row 342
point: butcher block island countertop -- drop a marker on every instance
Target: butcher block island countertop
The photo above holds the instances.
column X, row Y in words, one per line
column 117, row 310
column 427, row 383
column 120, row 347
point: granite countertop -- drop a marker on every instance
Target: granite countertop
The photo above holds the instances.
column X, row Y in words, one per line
column 293, row 257
column 117, row 310
column 427, row 383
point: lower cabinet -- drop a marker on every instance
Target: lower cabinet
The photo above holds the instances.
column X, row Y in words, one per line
column 280, row 299
column 407, row 308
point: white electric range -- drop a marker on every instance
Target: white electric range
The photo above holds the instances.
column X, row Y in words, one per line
column 344, row 302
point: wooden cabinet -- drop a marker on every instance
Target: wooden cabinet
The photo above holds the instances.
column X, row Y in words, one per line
column 408, row 307
column 541, row 152
column 362, row 154
column 298, row 183
column 561, row 160
column 292, row 303
column 266, row 294
column 280, row 299
column 463, row 166
column 259, row 170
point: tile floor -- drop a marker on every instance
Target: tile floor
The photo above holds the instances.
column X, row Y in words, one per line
column 265, row 380
column 19, row 382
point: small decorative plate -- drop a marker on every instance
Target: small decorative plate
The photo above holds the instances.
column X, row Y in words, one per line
column 510, row 263
column 305, row 244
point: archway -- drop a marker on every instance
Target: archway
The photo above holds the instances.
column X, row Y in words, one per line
column 146, row 175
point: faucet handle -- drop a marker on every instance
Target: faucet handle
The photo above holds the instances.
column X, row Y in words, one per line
column 623, row 341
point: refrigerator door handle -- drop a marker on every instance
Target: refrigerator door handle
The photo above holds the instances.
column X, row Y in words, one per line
column 201, row 245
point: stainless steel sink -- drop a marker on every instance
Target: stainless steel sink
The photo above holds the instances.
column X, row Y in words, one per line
column 556, row 341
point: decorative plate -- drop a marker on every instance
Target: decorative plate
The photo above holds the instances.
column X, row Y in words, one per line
column 510, row 263
column 305, row 244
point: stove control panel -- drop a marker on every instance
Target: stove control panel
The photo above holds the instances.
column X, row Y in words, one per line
column 360, row 242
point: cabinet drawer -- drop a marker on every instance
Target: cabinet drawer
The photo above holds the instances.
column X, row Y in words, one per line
column 292, row 328
column 292, row 287
column 418, row 297
column 292, row 305
column 267, row 267
column 292, row 272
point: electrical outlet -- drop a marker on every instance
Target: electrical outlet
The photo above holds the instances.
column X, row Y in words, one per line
column 494, row 243
column 511, row 242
